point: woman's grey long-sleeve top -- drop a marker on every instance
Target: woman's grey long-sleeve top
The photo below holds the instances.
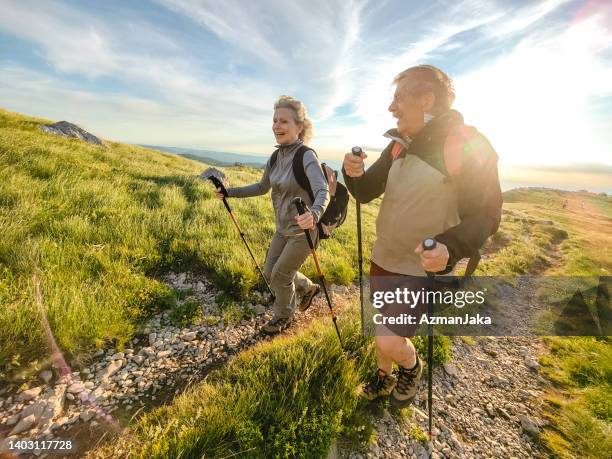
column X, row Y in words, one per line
column 285, row 187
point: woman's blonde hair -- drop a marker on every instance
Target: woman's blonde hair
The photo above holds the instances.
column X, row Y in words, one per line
column 300, row 117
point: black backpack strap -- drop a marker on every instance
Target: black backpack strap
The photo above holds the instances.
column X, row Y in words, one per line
column 273, row 158
column 298, row 170
column 472, row 264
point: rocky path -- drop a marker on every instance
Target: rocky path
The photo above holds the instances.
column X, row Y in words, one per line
column 153, row 368
column 487, row 404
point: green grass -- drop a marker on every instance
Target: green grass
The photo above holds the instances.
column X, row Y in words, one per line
column 580, row 368
column 186, row 313
column 290, row 397
column 98, row 225
column 521, row 244
column 95, row 227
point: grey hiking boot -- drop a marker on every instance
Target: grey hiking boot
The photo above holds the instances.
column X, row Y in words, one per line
column 406, row 388
column 306, row 300
column 380, row 385
column 277, row 325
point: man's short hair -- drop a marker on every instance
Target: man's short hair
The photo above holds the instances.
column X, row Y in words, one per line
column 428, row 78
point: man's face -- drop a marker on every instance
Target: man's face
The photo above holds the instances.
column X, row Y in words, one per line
column 408, row 109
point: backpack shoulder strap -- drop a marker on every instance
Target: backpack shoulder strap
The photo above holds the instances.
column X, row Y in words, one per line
column 472, row 264
column 273, row 158
column 298, row 170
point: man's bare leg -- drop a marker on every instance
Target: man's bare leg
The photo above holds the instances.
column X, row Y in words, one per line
column 394, row 349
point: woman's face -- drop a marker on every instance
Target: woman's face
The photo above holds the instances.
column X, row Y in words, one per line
column 409, row 109
column 284, row 126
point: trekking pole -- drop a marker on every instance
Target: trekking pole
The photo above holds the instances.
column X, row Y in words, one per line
column 219, row 185
column 430, row 244
column 357, row 152
column 301, row 208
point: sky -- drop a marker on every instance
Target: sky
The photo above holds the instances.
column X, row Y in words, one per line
column 534, row 76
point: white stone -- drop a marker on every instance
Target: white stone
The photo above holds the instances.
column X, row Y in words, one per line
column 23, row 425
column 528, row 425
column 30, row 394
column 531, row 362
column 13, row 419
column 87, row 416
column 450, row 369
column 111, row 369
column 190, row 336
column 76, row 387
column 148, row 351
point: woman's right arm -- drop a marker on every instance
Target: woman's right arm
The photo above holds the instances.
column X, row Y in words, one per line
column 256, row 189
column 372, row 183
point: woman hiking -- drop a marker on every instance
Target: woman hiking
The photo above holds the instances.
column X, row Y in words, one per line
column 439, row 179
column 289, row 248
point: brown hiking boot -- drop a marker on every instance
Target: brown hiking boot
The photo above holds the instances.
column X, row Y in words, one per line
column 380, row 385
column 277, row 325
column 406, row 388
column 306, row 300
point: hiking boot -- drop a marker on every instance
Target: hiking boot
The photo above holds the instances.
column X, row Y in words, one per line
column 380, row 385
column 306, row 300
column 277, row 325
column 406, row 388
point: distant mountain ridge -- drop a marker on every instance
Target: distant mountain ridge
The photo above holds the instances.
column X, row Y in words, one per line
column 221, row 158
column 216, row 158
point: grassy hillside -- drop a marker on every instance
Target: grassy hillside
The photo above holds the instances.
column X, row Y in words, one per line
column 580, row 406
column 96, row 225
column 266, row 393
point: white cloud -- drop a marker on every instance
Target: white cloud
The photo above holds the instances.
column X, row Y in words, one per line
column 533, row 104
column 217, row 91
column 130, row 119
column 299, row 44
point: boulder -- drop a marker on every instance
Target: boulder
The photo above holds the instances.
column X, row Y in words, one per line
column 66, row 129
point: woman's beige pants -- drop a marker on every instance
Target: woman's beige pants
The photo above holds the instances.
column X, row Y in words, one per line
column 284, row 258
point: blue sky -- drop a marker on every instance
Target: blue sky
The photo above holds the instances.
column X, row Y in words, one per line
column 535, row 77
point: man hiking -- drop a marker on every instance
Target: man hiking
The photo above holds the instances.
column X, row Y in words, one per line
column 439, row 179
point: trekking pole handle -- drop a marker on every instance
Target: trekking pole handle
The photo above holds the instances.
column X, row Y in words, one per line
column 300, row 205
column 357, row 151
column 429, row 244
column 217, row 183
